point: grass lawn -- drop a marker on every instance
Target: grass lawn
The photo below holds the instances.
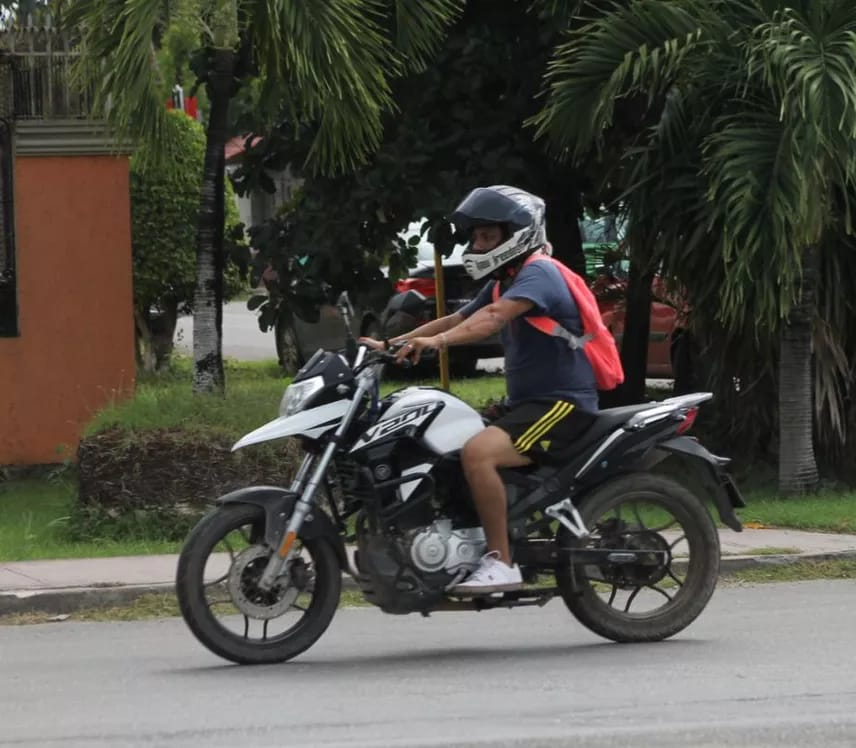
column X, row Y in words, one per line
column 253, row 392
column 33, row 512
column 831, row 512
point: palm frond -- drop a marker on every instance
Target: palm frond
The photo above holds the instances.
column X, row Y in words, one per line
column 637, row 48
column 835, row 336
column 118, row 65
column 332, row 58
column 758, row 186
column 420, row 27
column 560, row 11
column 809, row 60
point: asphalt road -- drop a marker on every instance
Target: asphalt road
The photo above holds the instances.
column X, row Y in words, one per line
column 770, row 665
column 242, row 338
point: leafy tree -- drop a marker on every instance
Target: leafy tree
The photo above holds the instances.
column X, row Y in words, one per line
column 458, row 124
column 164, row 203
column 743, row 182
column 331, row 60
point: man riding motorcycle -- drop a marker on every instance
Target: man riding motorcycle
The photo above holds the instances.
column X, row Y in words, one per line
column 552, row 395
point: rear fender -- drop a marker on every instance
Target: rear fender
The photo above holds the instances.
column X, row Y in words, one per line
column 278, row 505
column 717, row 480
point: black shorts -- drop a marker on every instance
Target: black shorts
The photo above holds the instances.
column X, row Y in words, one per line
column 544, row 430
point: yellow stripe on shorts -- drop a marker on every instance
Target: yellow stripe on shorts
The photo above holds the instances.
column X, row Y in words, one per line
column 543, row 425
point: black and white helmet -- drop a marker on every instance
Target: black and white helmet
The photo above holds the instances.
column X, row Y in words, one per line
column 521, row 215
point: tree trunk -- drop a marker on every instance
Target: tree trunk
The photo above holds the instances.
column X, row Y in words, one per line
column 797, row 464
column 634, row 345
column 155, row 334
column 144, row 349
column 208, row 298
column 563, row 229
column 637, row 333
column 163, row 333
column 683, row 356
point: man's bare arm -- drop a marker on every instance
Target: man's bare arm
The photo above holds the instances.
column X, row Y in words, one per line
column 434, row 327
column 487, row 321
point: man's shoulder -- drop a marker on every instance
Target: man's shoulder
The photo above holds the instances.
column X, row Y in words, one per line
column 541, row 271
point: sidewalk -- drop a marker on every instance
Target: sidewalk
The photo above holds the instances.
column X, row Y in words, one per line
column 71, row 584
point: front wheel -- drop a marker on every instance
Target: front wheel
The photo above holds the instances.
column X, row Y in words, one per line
column 675, row 546
column 222, row 604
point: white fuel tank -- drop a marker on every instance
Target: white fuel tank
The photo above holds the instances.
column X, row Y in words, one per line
column 453, row 426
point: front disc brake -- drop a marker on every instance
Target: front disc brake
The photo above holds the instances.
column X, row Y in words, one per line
column 248, row 597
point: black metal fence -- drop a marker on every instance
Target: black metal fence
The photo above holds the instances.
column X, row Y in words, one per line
column 43, row 84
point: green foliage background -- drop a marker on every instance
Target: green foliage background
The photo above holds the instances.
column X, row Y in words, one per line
column 164, row 210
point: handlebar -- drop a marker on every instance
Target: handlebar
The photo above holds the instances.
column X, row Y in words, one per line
column 387, row 356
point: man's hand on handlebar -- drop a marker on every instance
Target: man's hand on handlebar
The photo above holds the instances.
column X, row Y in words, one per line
column 375, row 345
column 404, row 351
column 414, row 348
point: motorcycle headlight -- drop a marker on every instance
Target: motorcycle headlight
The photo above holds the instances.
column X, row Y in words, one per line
column 297, row 395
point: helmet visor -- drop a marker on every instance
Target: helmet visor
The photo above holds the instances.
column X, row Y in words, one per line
column 484, row 206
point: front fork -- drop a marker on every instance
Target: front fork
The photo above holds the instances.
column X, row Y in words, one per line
column 285, row 550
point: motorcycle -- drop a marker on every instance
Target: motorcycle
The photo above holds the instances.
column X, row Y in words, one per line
column 631, row 550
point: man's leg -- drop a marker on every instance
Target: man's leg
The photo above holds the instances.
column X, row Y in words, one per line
column 481, row 457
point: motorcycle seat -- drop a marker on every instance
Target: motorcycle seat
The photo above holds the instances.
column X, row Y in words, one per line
column 609, row 420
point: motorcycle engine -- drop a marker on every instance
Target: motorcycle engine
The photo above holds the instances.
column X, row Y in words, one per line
column 440, row 548
column 411, row 571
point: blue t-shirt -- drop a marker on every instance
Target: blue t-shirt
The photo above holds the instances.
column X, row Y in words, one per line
column 538, row 365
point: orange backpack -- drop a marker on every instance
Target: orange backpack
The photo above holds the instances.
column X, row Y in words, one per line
column 596, row 341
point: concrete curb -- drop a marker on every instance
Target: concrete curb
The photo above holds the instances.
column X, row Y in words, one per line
column 731, row 564
column 72, row 599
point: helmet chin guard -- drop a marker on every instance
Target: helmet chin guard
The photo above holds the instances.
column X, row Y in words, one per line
column 521, row 212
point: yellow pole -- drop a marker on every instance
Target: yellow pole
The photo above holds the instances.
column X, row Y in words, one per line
column 440, row 296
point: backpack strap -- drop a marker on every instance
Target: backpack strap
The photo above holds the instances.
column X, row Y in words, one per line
column 548, row 325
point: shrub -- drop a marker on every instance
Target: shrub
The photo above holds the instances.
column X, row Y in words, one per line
column 158, row 482
column 164, row 211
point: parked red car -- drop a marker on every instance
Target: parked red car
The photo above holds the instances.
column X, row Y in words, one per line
column 610, row 291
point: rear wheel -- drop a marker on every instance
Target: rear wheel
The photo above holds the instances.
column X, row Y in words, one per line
column 670, row 533
column 222, row 604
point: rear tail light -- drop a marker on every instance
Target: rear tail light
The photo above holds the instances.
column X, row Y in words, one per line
column 689, row 420
column 425, row 286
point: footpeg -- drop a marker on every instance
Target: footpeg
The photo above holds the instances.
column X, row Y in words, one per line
column 567, row 514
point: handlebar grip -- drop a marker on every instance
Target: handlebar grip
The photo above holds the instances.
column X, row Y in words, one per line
column 390, row 357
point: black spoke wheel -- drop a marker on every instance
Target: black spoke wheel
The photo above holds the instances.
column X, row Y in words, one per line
column 223, row 605
column 673, row 547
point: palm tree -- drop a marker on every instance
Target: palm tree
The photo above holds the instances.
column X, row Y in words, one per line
column 745, row 172
column 330, row 60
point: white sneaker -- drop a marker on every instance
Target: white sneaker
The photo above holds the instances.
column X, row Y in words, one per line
column 492, row 575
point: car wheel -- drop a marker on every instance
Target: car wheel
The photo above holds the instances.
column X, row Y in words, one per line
column 288, row 349
column 399, row 323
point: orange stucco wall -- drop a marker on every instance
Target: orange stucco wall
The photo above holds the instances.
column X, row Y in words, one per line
column 75, row 351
